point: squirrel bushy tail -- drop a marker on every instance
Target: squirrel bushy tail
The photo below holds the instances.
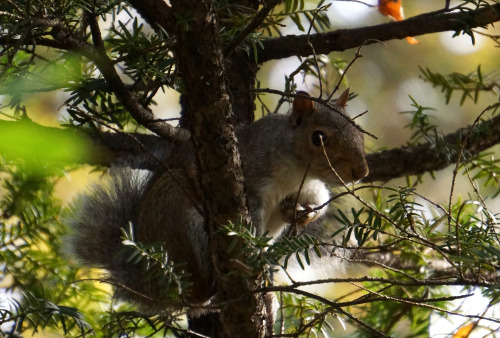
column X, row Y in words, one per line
column 96, row 224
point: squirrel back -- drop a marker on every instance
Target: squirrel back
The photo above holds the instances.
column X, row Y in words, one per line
column 286, row 175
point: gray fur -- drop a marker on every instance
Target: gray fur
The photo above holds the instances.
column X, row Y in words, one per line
column 275, row 153
column 100, row 214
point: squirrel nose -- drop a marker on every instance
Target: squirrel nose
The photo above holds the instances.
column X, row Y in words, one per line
column 360, row 171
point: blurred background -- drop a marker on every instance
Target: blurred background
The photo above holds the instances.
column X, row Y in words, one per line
column 383, row 79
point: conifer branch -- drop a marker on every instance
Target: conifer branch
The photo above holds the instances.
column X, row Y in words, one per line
column 342, row 39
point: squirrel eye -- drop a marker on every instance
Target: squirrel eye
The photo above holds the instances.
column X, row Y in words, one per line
column 317, row 136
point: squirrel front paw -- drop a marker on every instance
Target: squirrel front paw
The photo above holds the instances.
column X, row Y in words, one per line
column 299, row 214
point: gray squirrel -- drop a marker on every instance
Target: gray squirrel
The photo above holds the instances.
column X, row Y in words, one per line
column 276, row 152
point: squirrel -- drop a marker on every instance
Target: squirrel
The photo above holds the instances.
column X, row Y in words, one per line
column 281, row 156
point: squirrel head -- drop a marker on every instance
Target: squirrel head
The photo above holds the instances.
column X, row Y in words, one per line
column 315, row 126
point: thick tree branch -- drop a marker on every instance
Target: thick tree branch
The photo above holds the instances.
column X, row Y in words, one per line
column 417, row 160
column 251, row 27
column 209, row 112
column 211, row 122
column 384, row 165
column 156, row 13
column 342, row 39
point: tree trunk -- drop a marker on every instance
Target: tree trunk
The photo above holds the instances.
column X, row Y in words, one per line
column 210, row 119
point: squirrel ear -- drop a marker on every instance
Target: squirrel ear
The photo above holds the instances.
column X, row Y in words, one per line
column 342, row 100
column 302, row 108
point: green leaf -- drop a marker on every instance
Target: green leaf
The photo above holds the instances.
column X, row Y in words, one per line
column 39, row 146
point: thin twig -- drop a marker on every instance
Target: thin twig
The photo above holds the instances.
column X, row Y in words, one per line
column 251, row 27
column 356, row 56
column 464, row 142
column 380, row 214
column 435, row 308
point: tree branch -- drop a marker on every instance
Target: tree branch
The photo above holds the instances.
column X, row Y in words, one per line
column 342, row 39
column 251, row 27
column 384, row 165
column 141, row 114
column 422, row 158
column 64, row 38
column 98, row 149
column 156, row 13
column 210, row 119
column 393, row 281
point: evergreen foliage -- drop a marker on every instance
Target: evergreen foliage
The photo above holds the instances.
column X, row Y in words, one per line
column 412, row 247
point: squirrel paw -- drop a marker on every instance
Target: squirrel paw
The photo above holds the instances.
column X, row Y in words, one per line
column 298, row 214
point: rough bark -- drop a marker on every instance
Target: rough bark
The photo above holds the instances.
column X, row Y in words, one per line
column 211, row 122
column 425, row 157
column 342, row 39
column 106, row 148
column 241, row 77
column 156, row 12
